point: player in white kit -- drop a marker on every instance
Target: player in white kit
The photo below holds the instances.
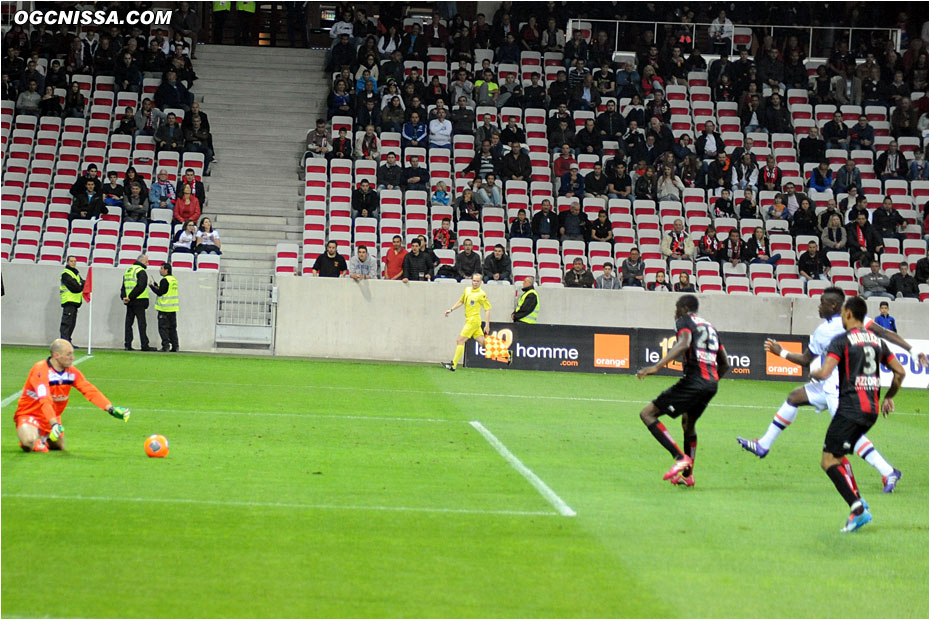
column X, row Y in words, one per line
column 824, row 396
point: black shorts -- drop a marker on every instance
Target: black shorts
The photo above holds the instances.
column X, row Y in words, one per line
column 843, row 433
column 686, row 396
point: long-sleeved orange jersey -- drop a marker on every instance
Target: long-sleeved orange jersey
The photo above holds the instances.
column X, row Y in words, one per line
column 46, row 393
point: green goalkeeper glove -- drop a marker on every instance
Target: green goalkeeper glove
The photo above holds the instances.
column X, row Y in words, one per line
column 57, row 431
column 120, row 413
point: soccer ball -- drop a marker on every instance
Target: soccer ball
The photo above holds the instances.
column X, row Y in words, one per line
column 156, row 446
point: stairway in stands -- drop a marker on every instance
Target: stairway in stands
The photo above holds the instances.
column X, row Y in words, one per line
column 260, row 101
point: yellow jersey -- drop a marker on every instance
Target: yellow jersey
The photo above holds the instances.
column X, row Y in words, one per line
column 473, row 301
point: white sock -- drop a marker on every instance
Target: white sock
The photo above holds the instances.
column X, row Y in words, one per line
column 870, row 455
column 781, row 421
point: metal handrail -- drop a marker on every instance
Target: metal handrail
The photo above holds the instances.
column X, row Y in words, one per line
column 894, row 33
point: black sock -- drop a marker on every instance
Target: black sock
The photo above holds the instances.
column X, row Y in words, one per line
column 842, row 485
column 661, row 434
column 691, row 448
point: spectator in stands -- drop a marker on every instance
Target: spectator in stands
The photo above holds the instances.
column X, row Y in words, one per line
column 208, row 238
column 521, row 227
column 463, row 118
column 9, row 90
column 619, row 183
column 170, row 136
column 28, row 100
column 552, row 38
column 88, row 204
column 833, row 236
column 559, row 90
column 721, row 33
column 317, row 141
column 824, row 218
column 862, row 135
column 513, row 132
column 723, row 206
column 516, row 166
column 484, row 162
column 127, row 74
column 903, row 284
column 791, row 198
column 884, row 319
column 390, row 174
column 769, row 177
column 813, row 264
column 662, row 139
column 497, row 267
column 185, row 239
column 918, row 167
column 415, row 177
column 440, row 132
column 709, row 143
column 486, row 89
column 804, row 220
column 578, row 276
column 487, row 193
column 341, row 101
column 875, row 92
column 684, row 284
column 733, row 250
column 32, row 74
column 682, row 150
column 187, row 207
column 585, row 95
column 564, row 134
column 389, row 43
column 135, row 205
column 444, row 237
column 414, row 132
column 545, row 222
column 848, row 176
column 778, row 210
column 607, row 280
column 369, row 114
column 744, row 175
column 719, row 174
column 392, row 116
column 758, row 250
column 836, row 133
column 821, row 178
column 368, row 147
column 440, row 195
column 50, row 103
column 669, row 186
column 572, row 184
column 875, row 283
column 467, row 262
column 921, row 270
column 133, row 177
column 659, row 108
column 341, row 146
column 365, row 202
column 775, row 117
column 632, row 269
column 112, row 191
column 574, row 224
column 161, row 194
column 330, row 264
column 859, row 205
column 363, row 266
column 80, row 185
column 487, row 129
column 601, row 229
column 628, row 80
column 595, row 182
column 751, row 116
column 416, row 265
column 888, row 222
column 891, row 165
column 610, row 124
column 461, row 86
column 127, row 122
column 646, row 187
column 394, row 259
column 708, row 245
column 659, row 284
column 149, row 119
column 677, row 243
column 197, row 140
column 173, row 94
column 772, row 71
column 863, row 240
column 811, row 148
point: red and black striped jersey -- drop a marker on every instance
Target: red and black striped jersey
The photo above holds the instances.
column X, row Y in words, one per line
column 858, row 353
column 700, row 363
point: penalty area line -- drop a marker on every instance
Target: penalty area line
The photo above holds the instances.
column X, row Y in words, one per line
column 14, row 397
column 288, row 505
column 563, row 509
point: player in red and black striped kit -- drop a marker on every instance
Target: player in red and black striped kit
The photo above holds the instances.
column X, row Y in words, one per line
column 705, row 361
column 856, row 354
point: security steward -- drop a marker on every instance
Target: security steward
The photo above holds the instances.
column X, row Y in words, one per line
column 166, row 303
column 71, row 289
column 245, row 15
column 220, row 11
column 528, row 306
column 135, row 295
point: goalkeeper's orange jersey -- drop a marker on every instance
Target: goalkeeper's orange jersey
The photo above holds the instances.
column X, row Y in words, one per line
column 46, row 393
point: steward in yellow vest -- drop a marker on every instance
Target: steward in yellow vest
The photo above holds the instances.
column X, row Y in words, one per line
column 220, row 11
column 245, row 15
column 528, row 307
column 71, row 289
column 167, row 306
column 135, row 295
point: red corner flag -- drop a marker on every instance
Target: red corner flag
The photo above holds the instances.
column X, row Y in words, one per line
column 89, row 284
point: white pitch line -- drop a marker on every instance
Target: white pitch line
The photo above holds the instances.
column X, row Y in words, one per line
column 564, row 509
column 347, row 388
column 245, row 504
column 285, row 414
column 13, row 397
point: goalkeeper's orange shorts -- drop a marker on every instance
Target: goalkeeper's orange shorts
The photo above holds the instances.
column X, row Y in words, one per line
column 472, row 330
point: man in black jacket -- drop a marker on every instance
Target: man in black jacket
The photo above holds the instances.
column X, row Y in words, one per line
column 863, row 241
column 78, row 187
column 546, row 222
column 611, row 123
column 365, row 200
column 527, row 307
column 589, row 139
column 467, row 262
column 709, row 143
column 87, row 205
column 497, row 265
column 516, row 166
column 886, row 220
column 417, row 264
column 71, row 289
column 463, row 118
column 135, row 295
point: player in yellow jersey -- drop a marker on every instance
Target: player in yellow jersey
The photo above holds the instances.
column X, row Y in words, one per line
column 474, row 299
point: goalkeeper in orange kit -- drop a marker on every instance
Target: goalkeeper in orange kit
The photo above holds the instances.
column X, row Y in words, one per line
column 45, row 396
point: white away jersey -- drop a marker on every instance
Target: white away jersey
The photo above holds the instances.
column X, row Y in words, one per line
column 820, row 341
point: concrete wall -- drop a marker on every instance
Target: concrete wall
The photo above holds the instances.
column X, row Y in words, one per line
column 322, row 317
column 31, row 309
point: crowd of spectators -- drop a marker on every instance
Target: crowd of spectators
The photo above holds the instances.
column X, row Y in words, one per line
column 58, row 73
column 627, row 122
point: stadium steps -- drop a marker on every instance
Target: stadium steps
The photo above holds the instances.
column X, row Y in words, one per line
column 261, row 102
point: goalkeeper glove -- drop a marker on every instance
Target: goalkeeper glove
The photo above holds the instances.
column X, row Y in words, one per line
column 57, row 431
column 120, row 413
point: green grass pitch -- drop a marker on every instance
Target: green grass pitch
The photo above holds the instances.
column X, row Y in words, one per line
column 340, row 489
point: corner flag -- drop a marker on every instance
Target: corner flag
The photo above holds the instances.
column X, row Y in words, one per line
column 89, row 284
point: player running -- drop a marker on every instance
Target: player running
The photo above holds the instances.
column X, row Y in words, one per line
column 823, row 395
column 45, row 396
column 705, row 361
column 855, row 356
column 473, row 299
